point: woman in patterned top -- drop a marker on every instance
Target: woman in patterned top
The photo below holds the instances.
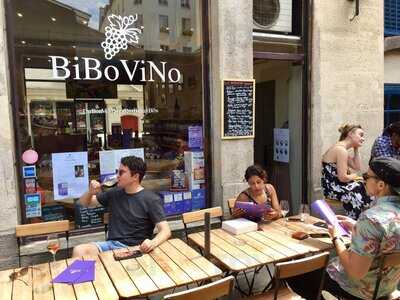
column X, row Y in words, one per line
column 259, row 192
column 336, row 181
column 353, row 273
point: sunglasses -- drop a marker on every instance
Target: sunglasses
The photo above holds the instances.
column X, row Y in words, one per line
column 366, row 176
column 21, row 272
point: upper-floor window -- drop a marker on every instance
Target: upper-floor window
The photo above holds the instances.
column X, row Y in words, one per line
column 163, row 2
column 187, row 27
column 185, row 3
column 392, row 17
column 163, row 20
column 137, row 2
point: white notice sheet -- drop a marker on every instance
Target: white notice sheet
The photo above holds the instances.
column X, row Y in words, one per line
column 70, row 174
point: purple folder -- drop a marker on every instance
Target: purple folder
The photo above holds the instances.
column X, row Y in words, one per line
column 323, row 209
column 252, row 209
column 77, row 272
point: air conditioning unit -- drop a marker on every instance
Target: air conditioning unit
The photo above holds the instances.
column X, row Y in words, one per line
column 273, row 15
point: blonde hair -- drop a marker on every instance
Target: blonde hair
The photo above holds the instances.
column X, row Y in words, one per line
column 346, row 129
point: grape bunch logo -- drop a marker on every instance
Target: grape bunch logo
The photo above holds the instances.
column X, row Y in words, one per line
column 119, row 34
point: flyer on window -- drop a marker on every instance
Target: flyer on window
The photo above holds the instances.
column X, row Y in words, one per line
column 32, row 205
column 70, row 174
column 111, row 159
column 281, row 144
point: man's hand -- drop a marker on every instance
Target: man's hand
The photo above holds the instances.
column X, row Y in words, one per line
column 332, row 231
column 347, row 223
column 95, row 187
column 147, row 246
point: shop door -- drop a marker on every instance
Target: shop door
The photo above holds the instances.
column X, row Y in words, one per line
column 264, row 123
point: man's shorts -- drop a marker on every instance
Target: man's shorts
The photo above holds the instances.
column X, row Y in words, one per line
column 109, row 245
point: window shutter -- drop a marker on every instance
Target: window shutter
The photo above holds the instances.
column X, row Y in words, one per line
column 392, row 17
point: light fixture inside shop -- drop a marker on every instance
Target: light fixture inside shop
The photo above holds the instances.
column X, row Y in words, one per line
column 73, row 46
column 49, row 44
column 20, row 15
column 28, row 59
column 23, row 42
column 53, row 19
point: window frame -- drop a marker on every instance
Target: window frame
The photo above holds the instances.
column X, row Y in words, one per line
column 16, row 96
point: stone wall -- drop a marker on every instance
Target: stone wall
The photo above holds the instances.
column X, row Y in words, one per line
column 231, row 57
column 8, row 184
column 347, row 76
column 392, row 66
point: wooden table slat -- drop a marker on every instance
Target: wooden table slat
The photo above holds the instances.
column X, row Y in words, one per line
column 124, row 285
column 224, row 257
column 297, row 245
column 273, row 244
column 276, row 255
column 62, row 291
column 196, row 258
column 139, row 277
column 5, row 285
column 183, row 262
column 42, row 285
column 171, row 268
column 20, row 289
column 159, row 277
column 102, row 283
column 242, row 245
column 83, row 290
column 242, row 256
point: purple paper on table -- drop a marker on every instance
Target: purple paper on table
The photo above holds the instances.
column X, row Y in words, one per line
column 252, row 209
column 79, row 271
column 323, row 209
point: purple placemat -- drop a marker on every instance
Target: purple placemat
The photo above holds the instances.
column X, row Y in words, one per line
column 77, row 272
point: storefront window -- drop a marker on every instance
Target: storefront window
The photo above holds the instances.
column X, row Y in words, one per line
column 100, row 80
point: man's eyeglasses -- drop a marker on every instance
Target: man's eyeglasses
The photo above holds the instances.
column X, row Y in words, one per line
column 21, row 272
column 366, row 176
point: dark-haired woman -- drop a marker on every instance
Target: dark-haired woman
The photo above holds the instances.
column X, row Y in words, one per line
column 259, row 192
column 337, row 182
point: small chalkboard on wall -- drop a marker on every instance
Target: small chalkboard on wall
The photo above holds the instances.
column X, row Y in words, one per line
column 238, row 108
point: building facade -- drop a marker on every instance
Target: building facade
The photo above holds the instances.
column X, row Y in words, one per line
column 313, row 65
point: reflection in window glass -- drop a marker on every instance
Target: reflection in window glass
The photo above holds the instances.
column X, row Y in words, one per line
column 98, row 76
column 163, row 19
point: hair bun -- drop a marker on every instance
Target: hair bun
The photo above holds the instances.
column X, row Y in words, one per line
column 342, row 128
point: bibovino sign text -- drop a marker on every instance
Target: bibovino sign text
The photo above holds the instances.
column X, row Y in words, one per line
column 89, row 68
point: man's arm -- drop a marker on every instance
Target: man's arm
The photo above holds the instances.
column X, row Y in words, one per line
column 164, row 233
column 89, row 199
column 355, row 265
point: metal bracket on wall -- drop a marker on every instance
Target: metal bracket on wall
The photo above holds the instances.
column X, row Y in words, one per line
column 357, row 10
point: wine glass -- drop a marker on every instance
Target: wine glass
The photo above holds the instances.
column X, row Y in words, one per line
column 284, row 207
column 304, row 212
column 53, row 244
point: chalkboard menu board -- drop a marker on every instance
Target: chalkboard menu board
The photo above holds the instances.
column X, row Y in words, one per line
column 238, row 109
column 87, row 217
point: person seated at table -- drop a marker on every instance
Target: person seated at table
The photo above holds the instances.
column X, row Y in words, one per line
column 258, row 192
column 134, row 212
column 336, row 181
column 353, row 273
column 388, row 144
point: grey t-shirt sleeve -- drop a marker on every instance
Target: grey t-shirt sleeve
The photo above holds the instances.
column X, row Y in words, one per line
column 104, row 198
column 156, row 209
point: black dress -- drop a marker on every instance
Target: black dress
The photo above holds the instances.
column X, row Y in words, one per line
column 352, row 194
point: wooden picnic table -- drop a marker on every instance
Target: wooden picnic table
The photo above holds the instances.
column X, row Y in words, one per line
column 170, row 265
column 271, row 244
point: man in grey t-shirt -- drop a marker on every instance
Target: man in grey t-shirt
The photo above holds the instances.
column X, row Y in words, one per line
column 134, row 212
